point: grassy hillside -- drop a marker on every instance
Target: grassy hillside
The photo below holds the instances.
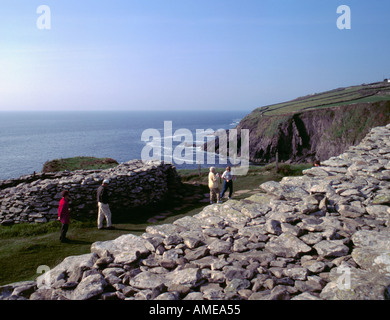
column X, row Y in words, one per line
column 365, row 93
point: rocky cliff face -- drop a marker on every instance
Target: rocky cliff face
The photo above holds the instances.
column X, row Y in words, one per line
column 324, row 235
column 316, row 134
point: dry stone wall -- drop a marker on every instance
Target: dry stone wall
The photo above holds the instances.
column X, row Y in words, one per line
column 322, row 236
column 35, row 198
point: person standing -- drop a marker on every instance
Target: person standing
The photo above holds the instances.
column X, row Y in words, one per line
column 103, row 205
column 214, row 185
column 227, row 183
column 64, row 215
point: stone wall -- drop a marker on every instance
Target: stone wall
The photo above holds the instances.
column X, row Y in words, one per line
column 35, row 198
column 324, row 235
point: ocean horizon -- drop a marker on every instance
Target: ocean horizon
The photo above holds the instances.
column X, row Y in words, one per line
column 29, row 139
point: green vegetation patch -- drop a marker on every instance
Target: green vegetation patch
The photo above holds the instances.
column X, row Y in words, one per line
column 79, row 163
column 357, row 121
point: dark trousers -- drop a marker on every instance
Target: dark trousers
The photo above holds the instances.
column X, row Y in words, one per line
column 227, row 185
column 64, row 230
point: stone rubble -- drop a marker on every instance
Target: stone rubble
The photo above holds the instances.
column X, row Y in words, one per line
column 322, row 236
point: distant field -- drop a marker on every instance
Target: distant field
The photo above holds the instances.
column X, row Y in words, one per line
column 344, row 96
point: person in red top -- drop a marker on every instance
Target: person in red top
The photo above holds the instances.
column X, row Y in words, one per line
column 63, row 215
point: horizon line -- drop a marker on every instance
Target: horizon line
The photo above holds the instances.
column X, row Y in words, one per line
column 126, row 110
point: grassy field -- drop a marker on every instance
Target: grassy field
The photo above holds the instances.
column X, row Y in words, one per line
column 343, row 96
column 23, row 248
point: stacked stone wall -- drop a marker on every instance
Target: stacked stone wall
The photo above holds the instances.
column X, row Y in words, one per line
column 35, row 198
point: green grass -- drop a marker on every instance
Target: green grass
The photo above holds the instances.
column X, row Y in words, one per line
column 22, row 252
column 78, row 163
column 25, row 247
column 255, row 176
column 339, row 97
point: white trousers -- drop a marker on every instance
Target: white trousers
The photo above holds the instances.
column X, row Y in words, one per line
column 104, row 212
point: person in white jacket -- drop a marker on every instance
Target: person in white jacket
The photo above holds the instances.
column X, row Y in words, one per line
column 214, row 185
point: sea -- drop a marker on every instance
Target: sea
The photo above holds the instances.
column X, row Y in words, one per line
column 29, row 139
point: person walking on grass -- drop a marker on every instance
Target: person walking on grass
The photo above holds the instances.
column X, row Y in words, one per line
column 214, row 185
column 227, row 183
column 104, row 211
column 64, row 215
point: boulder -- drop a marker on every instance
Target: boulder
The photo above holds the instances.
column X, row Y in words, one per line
column 356, row 284
column 47, row 279
column 372, row 251
column 89, row 287
column 287, row 245
column 331, row 248
column 125, row 249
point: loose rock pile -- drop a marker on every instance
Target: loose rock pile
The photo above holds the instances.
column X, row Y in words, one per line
column 324, row 235
column 34, row 198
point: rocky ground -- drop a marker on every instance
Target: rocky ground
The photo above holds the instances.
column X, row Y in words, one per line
column 324, row 235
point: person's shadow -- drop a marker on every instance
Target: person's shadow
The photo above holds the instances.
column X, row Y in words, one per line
column 75, row 241
column 129, row 229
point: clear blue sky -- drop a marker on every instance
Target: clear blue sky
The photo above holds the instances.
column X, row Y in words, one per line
column 185, row 54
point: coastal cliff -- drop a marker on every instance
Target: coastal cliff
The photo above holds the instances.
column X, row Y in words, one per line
column 317, row 126
column 324, row 235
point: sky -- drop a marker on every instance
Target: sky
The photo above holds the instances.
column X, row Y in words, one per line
column 185, row 54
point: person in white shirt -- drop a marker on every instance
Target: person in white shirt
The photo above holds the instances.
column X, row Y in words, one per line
column 214, row 185
column 227, row 183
